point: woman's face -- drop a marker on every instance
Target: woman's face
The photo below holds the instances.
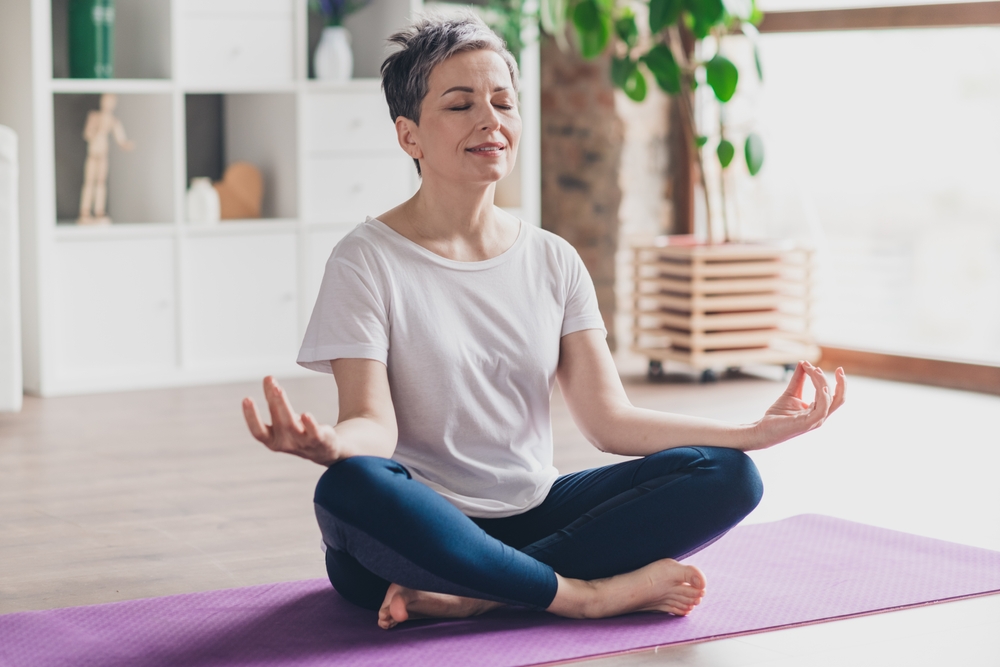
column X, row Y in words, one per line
column 469, row 125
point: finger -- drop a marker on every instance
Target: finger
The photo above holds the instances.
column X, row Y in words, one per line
column 310, row 425
column 281, row 409
column 797, row 381
column 821, row 404
column 258, row 429
column 840, row 394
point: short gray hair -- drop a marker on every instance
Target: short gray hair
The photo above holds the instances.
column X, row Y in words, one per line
column 426, row 43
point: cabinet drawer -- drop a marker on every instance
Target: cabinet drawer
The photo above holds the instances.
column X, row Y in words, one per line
column 235, row 8
column 114, row 309
column 348, row 122
column 240, row 299
column 346, row 189
column 224, row 51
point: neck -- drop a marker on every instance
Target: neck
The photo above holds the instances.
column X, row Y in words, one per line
column 454, row 220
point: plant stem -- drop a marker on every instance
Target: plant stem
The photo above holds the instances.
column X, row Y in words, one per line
column 722, row 188
column 687, row 113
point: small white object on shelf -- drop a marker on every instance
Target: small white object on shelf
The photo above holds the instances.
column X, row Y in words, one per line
column 203, row 207
column 334, row 60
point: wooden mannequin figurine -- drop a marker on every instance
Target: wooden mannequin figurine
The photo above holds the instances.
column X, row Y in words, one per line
column 100, row 123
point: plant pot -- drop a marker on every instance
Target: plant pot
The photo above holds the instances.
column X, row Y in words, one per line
column 722, row 305
column 333, row 58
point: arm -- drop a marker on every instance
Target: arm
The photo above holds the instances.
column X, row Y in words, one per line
column 120, row 137
column 597, row 401
column 366, row 425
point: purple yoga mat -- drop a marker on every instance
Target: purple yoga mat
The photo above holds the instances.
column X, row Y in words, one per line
column 800, row 570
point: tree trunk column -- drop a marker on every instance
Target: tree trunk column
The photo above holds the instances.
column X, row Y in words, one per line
column 582, row 138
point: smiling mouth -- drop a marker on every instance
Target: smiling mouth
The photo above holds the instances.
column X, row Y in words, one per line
column 486, row 149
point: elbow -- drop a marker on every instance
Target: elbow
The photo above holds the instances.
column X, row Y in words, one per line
column 603, row 428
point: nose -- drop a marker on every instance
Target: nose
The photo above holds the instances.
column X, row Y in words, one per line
column 491, row 120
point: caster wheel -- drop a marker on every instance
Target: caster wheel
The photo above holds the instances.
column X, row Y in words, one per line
column 655, row 371
column 732, row 371
column 790, row 367
column 708, row 375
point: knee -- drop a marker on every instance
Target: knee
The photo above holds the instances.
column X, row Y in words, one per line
column 350, row 483
column 737, row 476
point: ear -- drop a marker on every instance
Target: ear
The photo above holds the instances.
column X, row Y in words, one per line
column 406, row 134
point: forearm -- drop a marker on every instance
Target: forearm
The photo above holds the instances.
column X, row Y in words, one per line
column 632, row 431
column 364, row 436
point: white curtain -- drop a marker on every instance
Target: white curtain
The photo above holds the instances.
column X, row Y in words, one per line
column 10, row 302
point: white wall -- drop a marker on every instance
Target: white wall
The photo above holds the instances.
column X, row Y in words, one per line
column 10, row 302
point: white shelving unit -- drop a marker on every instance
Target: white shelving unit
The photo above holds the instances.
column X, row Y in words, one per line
column 151, row 300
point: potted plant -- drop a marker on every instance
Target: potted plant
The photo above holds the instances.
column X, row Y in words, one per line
column 708, row 305
column 333, row 58
column 683, row 54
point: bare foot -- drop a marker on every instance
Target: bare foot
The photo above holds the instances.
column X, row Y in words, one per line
column 404, row 604
column 665, row 585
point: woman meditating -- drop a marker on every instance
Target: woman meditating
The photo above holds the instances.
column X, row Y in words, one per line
column 446, row 322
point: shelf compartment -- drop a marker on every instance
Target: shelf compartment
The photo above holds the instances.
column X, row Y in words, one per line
column 370, row 27
column 142, row 40
column 259, row 128
column 140, row 182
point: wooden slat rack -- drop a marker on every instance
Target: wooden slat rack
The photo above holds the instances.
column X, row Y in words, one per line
column 722, row 306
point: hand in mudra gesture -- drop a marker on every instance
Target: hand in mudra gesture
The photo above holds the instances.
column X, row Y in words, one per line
column 290, row 432
column 790, row 415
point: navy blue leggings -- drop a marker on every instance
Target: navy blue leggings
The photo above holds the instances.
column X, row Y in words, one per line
column 382, row 526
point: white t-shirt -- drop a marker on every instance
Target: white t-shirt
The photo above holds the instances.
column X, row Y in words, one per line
column 471, row 350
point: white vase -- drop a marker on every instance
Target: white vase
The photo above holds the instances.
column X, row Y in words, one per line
column 203, row 202
column 333, row 58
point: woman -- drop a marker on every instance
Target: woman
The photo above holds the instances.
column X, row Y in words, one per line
column 446, row 322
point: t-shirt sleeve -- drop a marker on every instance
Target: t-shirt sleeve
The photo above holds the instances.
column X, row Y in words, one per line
column 349, row 320
column 581, row 310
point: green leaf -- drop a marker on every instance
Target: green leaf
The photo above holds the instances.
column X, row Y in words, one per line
column 593, row 25
column 754, row 151
column 661, row 63
column 700, row 141
column 635, row 86
column 586, row 16
column 663, row 13
column 726, row 151
column 722, row 76
column 707, row 12
column 756, row 61
column 621, row 68
column 627, row 30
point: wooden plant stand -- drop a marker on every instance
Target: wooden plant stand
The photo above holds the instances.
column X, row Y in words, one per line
column 722, row 306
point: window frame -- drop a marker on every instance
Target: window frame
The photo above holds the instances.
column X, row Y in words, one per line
column 969, row 376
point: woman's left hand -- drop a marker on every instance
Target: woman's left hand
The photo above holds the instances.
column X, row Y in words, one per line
column 790, row 415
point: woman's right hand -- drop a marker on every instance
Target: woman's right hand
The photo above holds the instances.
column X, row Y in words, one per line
column 289, row 432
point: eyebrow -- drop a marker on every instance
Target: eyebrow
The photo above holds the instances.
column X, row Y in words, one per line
column 466, row 89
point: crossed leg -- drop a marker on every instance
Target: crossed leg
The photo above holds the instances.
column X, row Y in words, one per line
column 611, row 533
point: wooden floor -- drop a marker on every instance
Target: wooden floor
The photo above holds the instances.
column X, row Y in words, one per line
column 121, row 496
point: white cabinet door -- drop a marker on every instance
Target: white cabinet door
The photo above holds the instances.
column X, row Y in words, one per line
column 113, row 310
column 348, row 122
column 346, row 189
column 236, row 50
column 240, row 300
